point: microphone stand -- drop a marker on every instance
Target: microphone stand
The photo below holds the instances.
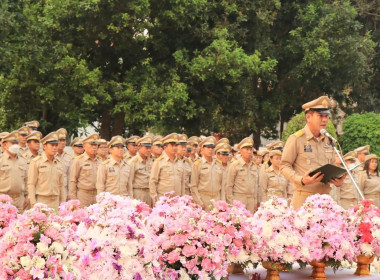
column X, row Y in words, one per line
column 347, row 169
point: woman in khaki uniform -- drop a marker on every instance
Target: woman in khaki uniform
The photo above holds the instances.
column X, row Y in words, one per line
column 272, row 183
column 369, row 179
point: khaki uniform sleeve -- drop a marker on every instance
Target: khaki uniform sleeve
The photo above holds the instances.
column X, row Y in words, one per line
column 26, row 179
column 264, row 186
column 32, row 181
column 223, row 189
column 289, row 156
column 132, row 169
column 101, row 179
column 361, row 182
column 231, row 175
column 194, row 181
column 74, row 175
column 153, row 180
column 62, row 189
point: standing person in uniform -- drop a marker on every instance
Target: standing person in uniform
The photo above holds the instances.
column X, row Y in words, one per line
column 45, row 175
column 141, row 166
column 195, row 149
column 131, row 147
column 186, row 162
column 222, row 152
column 346, row 195
column 32, row 126
column 103, row 153
column 272, row 182
column 77, row 146
column 306, row 150
column 84, row 168
column 242, row 181
column 361, row 153
column 34, row 145
column 13, row 173
column 64, row 157
column 207, row 176
column 167, row 171
column 157, row 147
column 113, row 174
column 369, row 179
column 2, row 144
column 23, row 133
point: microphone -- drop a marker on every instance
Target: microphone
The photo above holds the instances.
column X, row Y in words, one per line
column 328, row 135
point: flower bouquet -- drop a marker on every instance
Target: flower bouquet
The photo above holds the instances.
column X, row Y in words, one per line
column 8, row 213
column 36, row 247
column 365, row 218
column 325, row 227
column 280, row 241
column 184, row 233
column 113, row 242
column 233, row 224
column 71, row 212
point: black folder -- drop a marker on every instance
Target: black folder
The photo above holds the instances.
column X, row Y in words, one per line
column 330, row 171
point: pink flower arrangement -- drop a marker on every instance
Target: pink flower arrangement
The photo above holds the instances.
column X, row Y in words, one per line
column 113, row 241
column 325, row 227
column 190, row 249
column 278, row 238
column 366, row 221
column 8, row 213
column 36, row 247
column 71, row 212
column 233, row 224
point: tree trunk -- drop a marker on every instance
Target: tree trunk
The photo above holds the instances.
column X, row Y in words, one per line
column 118, row 124
column 256, row 138
column 105, row 127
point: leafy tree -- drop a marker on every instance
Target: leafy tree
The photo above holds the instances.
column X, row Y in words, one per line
column 360, row 130
column 298, row 122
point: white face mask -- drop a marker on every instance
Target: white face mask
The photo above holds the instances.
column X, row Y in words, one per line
column 14, row 149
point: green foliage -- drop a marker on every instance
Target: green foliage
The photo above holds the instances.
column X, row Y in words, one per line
column 360, row 130
column 298, row 122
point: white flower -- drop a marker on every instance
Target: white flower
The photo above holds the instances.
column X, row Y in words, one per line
column 184, row 275
column 288, row 258
column 376, row 234
column 26, row 262
column 242, row 257
column 38, row 262
column 267, row 229
column 254, row 258
column 376, row 220
column 42, row 247
column 367, row 249
column 57, row 247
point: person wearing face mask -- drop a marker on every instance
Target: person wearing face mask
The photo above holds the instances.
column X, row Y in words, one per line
column 46, row 175
column 13, row 172
column 84, row 168
column 140, row 166
column 167, row 171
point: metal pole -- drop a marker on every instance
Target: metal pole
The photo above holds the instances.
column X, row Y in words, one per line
column 348, row 170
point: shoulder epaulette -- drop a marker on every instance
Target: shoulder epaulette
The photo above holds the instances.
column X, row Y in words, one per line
column 197, row 162
column 159, row 158
column 267, row 170
column 236, row 162
column 189, row 160
column 135, row 159
column 36, row 158
column 106, row 161
column 79, row 156
column 300, row 132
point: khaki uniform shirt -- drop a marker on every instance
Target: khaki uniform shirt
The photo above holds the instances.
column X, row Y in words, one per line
column 187, row 164
column 241, row 179
column 272, row 183
column 83, row 174
column 302, row 152
column 206, row 178
column 139, row 174
column 13, row 175
column 46, row 178
column 66, row 160
column 23, row 150
column 113, row 177
column 370, row 187
column 166, row 176
column 29, row 156
column 225, row 169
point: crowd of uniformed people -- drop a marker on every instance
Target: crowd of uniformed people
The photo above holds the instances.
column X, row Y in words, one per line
column 36, row 168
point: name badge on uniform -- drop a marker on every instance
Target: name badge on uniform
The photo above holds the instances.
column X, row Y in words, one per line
column 326, row 146
column 307, row 147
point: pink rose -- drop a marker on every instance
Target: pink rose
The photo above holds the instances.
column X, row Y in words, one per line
column 173, row 256
column 189, row 250
column 179, row 239
column 207, row 264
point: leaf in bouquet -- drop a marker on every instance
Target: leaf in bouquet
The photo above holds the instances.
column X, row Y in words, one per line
column 36, row 237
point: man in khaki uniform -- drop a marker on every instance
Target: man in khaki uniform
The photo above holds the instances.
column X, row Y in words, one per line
column 13, row 173
column 33, row 141
column 189, row 149
column 64, row 157
column 167, row 171
column 306, row 150
column 157, row 147
column 2, row 147
column 186, row 162
column 223, row 141
column 103, row 152
column 207, row 176
column 195, row 149
column 84, row 168
column 141, row 166
column 32, row 126
column 346, row 195
column 131, row 147
column 77, row 146
column 113, row 174
column 45, row 175
column 23, row 133
column 242, row 181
